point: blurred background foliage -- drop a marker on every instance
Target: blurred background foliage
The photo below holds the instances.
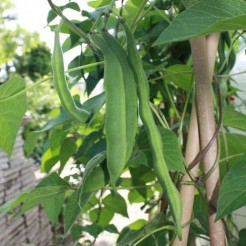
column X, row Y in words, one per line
column 22, row 53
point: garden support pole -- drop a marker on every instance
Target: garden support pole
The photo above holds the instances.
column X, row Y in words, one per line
column 206, row 125
column 192, row 149
column 187, row 191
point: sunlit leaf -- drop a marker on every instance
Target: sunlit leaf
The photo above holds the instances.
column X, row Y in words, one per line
column 12, row 110
column 204, row 18
column 234, row 119
column 233, row 190
column 180, row 76
column 171, row 150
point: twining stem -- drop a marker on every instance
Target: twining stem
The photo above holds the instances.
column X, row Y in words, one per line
column 132, row 26
column 71, row 25
column 26, row 89
column 167, row 227
column 84, row 66
column 230, row 75
column 49, row 78
column 206, row 123
column 192, row 149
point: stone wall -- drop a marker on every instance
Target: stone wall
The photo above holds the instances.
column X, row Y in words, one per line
column 17, row 174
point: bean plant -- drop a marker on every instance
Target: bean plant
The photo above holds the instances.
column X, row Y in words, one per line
column 164, row 132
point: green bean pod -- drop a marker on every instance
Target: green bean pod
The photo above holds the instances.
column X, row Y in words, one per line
column 130, row 91
column 61, row 85
column 159, row 162
column 115, row 121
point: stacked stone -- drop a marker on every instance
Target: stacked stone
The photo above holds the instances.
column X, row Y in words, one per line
column 16, row 175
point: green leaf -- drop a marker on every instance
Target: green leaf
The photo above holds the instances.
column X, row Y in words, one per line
column 53, row 179
column 71, row 5
column 135, row 236
column 204, row 18
column 141, row 158
column 93, row 229
column 234, row 147
column 72, row 41
column 135, row 197
column 10, row 205
column 136, row 225
column 68, row 148
column 12, row 110
column 98, row 179
column 53, row 207
column 140, row 176
column 199, row 224
column 234, row 119
column 93, row 202
column 98, row 3
column 188, row 3
column 105, row 217
column 171, row 150
column 57, row 136
column 49, row 159
column 233, row 190
column 72, row 209
column 39, row 195
column 94, row 104
column 116, row 204
column 47, row 188
column 242, row 237
column 52, row 153
column 110, row 228
column 60, row 119
column 30, row 142
column 179, row 75
column 137, row 3
column 89, row 142
column 76, row 232
column 52, row 15
column 93, row 177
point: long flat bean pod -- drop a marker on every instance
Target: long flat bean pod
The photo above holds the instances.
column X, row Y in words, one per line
column 115, row 121
column 130, row 91
column 159, row 162
column 61, row 86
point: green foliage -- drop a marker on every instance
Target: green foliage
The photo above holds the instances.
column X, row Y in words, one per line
column 49, row 187
column 171, row 149
column 234, row 119
column 41, row 108
column 134, row 237
column 13, row 39
column 5, row 5
column 204, row 18
column 12, row 111
column 85, row 194
column 35, row 63
column 94, row 176
column 232, row 192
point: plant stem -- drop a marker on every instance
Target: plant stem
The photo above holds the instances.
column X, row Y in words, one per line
column 26, row 89
column 230, row 75
column 172, row 101
column 84, row 66
column 133, row 24
column 167, row 227
column 49, row 78
column 71, row 25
